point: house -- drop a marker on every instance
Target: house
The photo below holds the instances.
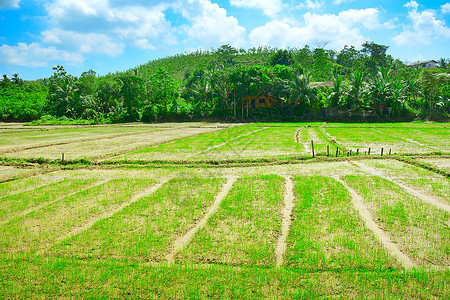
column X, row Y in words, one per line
column 264, row 101
column 428, row 64
column 258, row 101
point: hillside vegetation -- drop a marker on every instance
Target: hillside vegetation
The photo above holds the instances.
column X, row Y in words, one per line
column 212, row 85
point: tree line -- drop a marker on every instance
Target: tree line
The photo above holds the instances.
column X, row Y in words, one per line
column 213, row 85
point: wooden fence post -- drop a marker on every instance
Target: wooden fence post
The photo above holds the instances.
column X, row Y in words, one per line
column 312, row 148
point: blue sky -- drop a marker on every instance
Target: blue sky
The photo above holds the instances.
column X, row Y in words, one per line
column 115, row 35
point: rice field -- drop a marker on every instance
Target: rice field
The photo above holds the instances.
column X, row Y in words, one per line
column 347, row 227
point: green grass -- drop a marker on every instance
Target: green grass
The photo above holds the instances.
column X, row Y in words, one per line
column 419, row 229
column 189, row 147
column 111, row 146
column 57, row 245
column 435, row 139
column 245, row 229
column 146, row 230
column 50, row 277
column 17, row 202
column 41, row 228
column 272, row 141
column 19, row 185
column 370, row 137
column 327, row 233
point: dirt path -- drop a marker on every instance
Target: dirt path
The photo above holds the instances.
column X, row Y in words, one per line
column 105, row 215
column 377, row 231
column 424, row 197
column 226, row 142
column 35, row 208
column 182, row 241
column 289, row 199
column 299, row 140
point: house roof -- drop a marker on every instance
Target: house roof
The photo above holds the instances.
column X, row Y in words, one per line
column 330, row 83
column 423, row 62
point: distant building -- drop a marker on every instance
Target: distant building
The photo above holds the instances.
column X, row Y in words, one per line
column 258, row 101
column 428, row 64
column 264, row 101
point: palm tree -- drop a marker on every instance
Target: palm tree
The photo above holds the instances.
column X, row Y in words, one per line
column 302, row 93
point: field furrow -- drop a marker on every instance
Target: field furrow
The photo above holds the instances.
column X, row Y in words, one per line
column 273, row 141
column 18, row 202
column 327, row 232
column 416, row 187
column 245, row 229
column 146, row 229
column 420, row 229
column 42, row 228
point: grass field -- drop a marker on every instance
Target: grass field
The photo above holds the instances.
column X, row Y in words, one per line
column 245, row 213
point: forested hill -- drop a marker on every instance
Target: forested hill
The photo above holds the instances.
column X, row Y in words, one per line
column 218, row 84
column 181, row 66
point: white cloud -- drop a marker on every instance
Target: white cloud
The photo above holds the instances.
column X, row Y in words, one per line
column 107, row 25
column 83, row 42
column 412, row 4
column 5, row 4
column 309, row 4
column 210, row 25
column 445, row 8
column 34, row 55
column 270, row 7
column 338, row 2
column 424, row 28
column 338, row 30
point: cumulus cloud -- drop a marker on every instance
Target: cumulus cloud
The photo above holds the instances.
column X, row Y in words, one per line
column 107, row 25
column 210, row 24
column 338, row 30
column 5, row 4
column 309, row 4
column 35, row 55
column 83, row 42
column 270, row 7
column 338, row 2
column 424, row 28
column 445, row 8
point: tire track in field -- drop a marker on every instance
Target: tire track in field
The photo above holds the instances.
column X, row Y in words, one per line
column 226, row 142
column 406, row 139
column 37, row 207
column 182, row 241
column 434, row 201
column 379, row 233
column 105, row 215
column 289, row 199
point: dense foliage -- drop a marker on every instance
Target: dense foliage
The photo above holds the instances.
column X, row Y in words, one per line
column 213, row 84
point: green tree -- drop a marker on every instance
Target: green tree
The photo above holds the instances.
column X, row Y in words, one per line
column 281, row 57
column 63, row 97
